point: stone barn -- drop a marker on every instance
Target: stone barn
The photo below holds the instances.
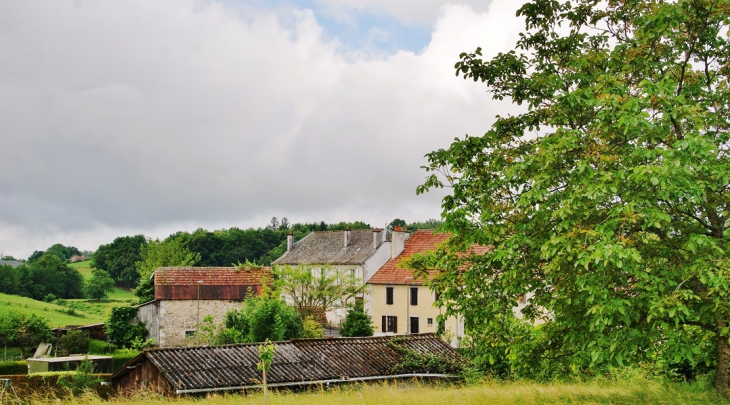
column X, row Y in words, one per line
column 184, row 296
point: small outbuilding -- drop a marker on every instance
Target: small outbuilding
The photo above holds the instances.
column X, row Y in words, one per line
column 298, row 362
column 102, row 364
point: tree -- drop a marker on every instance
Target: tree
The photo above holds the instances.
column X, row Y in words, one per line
column 266, row 355
column 27, row 332
column 357, row 324
column 100, row 285
column 609, row 197
column 75, row 342
column 50, row 275
column 119, row 257
column 314, row 289
column 154, row 254
column 397, row 222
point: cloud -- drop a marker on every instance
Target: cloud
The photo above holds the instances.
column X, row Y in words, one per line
column 125, row 117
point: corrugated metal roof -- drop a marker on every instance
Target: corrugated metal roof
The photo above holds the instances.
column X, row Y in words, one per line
column 201, row 368
column 328, row 247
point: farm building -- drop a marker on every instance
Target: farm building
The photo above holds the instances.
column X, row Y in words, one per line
column 297, row 362
column 102, row 364
column 184, row 296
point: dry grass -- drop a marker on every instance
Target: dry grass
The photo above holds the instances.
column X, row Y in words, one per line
column 635, row 392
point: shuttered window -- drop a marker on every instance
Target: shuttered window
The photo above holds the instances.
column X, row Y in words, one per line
column 414, row 295
column 390, row 324
column 389, row 295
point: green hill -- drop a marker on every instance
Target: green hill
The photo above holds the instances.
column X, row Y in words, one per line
column 58, row 315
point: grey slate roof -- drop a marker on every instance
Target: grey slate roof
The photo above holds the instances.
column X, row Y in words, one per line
column 297, row 361
column 327, row 247
column 11, row 263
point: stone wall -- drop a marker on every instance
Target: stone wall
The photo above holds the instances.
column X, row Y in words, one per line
column 148, row 313
column 178, row 317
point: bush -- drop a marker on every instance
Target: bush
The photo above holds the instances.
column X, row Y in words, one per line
column 82, row 380
column 49, row 298
column 122, row 356
column 357, row 324
column 101, row 347
column 121, row 331
column 265, row 317
column 75, row 342
column 13, row 367
column 312, row 329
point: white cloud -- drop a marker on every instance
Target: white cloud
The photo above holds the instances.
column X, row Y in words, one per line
column 150, row 117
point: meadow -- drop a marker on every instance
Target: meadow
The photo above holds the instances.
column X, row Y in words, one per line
column 491, row 392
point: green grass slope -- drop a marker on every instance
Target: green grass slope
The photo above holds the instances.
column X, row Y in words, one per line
column 58, row 315
column 85, row 269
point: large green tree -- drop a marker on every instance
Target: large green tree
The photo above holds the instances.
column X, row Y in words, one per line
column 119, row 257
column 608, row 197
column 170, row 252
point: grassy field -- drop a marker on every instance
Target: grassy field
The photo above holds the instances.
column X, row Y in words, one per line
column 58, row 315
column 606, row 392
column 85, row 269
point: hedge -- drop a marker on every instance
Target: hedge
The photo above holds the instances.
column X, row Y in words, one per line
column 13, row 367
column 46, row 385
column 120, row 357
column 101, row 347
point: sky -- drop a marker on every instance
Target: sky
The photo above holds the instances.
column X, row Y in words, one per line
column 126, row 117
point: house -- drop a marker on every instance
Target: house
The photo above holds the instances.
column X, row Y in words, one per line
column 356, row 253
column 301, row 362
column 11, row 263
column 185, row 295
column 401, row 303
column 77, row 258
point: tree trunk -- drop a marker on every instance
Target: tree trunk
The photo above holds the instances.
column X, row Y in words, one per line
column 722, row 376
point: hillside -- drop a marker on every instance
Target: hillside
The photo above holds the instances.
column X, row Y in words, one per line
column 58, row 315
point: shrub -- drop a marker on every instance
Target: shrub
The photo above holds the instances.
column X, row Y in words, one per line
column 122, row 356
column 101, row 347
column 265, row 317
column 82, row 380
column 357, row 324
column 75, row 341
column 13, row 367
column 121, row 330
column 49, row 298
column 312, row 329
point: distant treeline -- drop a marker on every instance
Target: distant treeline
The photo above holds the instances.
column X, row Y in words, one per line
column 223, row 247
column 44, row 278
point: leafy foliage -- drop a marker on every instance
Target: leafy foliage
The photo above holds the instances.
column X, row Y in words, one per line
column 24, row 332
column 264, row 317
column 608, row 198
column 121, row 328
column 82, row 380
column 170, row 252
column 100, row 285
column 417, row 362
column 312, row 329
column 357, row 324
column 119, row 257
column 75, row 342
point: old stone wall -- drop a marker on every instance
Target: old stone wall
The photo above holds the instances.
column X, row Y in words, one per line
column 148, row 313
column 180, row 318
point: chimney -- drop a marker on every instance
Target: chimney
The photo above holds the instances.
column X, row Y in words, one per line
column 289, row 241
column 348, row 237
column 376, row 238
column 398, row 241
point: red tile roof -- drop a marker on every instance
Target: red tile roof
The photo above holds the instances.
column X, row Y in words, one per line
column 212, row 275
column 421, row 241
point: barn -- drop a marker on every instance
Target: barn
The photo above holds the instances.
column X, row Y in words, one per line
column 190, row 370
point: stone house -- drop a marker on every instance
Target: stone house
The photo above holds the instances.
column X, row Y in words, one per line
column 185, row 295
column 352, row 253
column 401, row 303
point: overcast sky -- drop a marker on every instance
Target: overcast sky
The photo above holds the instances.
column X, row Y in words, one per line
column 155, row 116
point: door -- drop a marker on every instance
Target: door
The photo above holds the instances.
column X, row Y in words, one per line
column 414, row 324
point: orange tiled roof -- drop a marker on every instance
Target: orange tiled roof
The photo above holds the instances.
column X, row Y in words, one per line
column 421, row 241
column 212, row 275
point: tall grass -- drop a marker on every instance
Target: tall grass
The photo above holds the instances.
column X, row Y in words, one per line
column 490, row 392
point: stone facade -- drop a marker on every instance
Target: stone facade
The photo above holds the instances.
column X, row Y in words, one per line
column 169, row 322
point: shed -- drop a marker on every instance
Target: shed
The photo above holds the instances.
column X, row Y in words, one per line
column 296, row 362
column 102, row 364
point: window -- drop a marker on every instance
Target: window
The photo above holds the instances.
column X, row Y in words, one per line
column 522, row 299
column 414, row 295
column 189, row 333
column 414, row 324
column 390, row 324
column 353, row 273
column 436, row 296
column 429, row 321
column 389, row 295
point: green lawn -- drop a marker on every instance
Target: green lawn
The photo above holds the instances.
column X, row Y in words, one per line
column 58, row 315
column 85, row 269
